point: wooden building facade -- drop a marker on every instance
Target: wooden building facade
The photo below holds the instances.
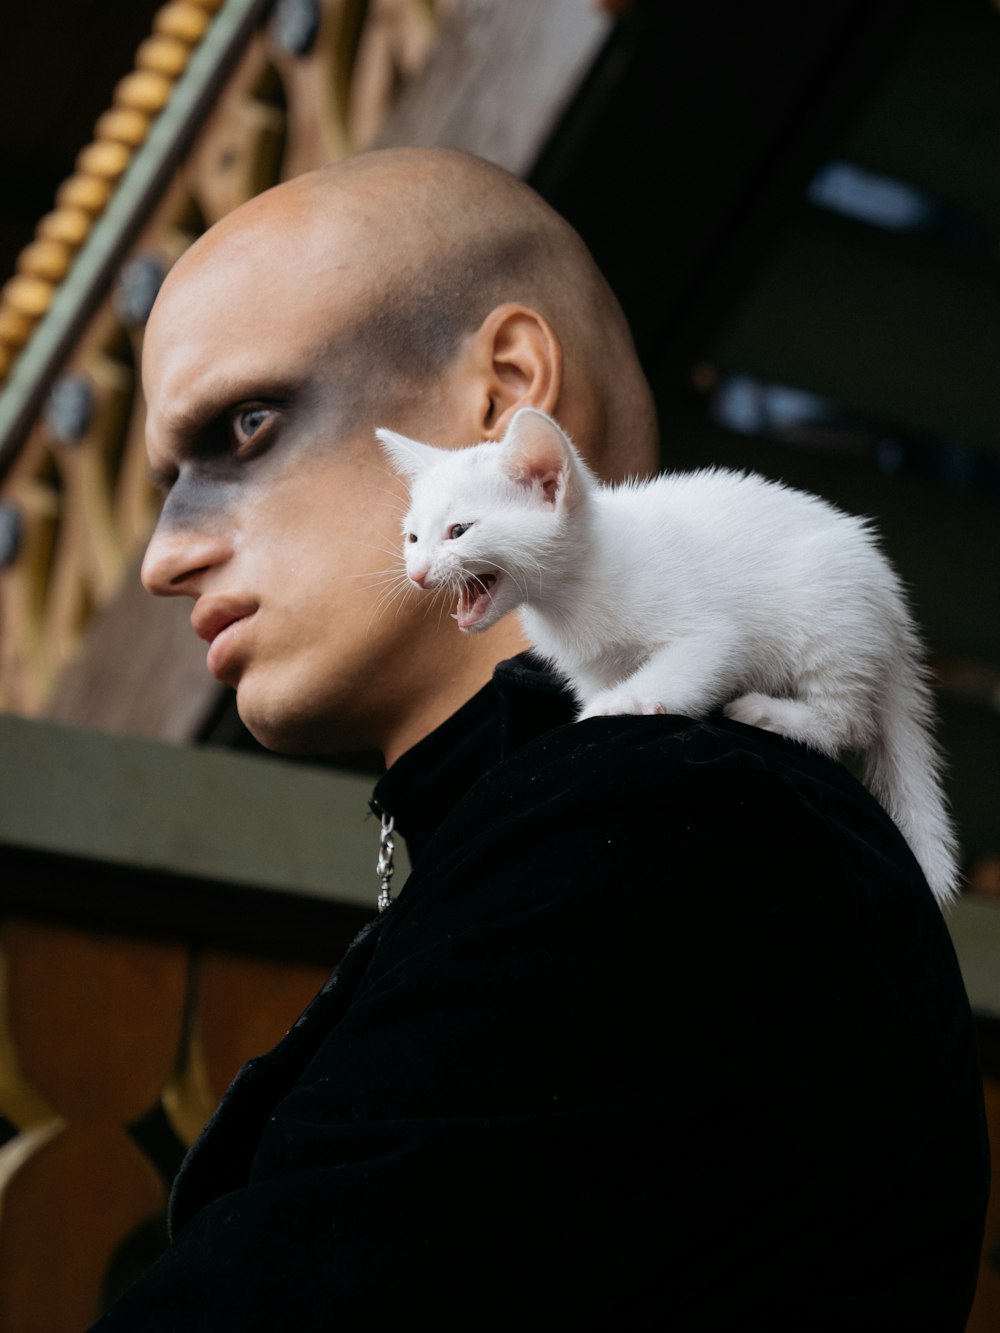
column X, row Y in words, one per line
column 799, row 207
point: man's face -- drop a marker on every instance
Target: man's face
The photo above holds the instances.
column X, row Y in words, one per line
column 281, row 520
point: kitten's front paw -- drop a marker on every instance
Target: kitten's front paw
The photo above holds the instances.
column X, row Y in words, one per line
column 620, row 703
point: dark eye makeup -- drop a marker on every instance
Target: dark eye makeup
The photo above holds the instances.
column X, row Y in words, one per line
column 249, row 424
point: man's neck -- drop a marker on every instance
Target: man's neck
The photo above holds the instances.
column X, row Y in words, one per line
column 463, row 667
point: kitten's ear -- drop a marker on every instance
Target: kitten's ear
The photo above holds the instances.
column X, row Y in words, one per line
column 539, row 454
column 408, row 457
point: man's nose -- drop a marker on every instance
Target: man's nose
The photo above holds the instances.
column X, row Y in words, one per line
column 176, row 561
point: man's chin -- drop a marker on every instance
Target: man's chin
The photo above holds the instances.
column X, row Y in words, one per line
column 290, row 726
column 275, row 731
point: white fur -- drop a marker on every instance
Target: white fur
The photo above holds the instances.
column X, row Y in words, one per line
column 687, row 592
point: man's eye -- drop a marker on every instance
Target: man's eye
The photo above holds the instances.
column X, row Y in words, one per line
column 248, row 422
column 457, row 529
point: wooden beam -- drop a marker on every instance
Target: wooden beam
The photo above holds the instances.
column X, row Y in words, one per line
column 974, row 926
column 177, row 830
column 498, row 80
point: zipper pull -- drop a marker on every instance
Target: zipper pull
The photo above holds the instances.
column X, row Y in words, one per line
column 385, row 868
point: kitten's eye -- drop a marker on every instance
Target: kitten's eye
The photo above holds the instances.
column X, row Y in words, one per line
column 457, row 529
column 411, row 536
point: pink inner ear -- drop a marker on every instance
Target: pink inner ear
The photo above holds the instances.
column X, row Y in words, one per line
column 529, row 469
column 549, row 482
column 538, row 455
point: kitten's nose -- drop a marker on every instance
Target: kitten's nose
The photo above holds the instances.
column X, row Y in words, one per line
column 419, row 577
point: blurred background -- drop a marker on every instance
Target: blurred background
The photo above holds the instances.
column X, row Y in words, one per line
column 799, row 208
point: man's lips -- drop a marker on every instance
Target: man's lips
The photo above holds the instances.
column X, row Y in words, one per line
column 214, row 614
column 216, row 620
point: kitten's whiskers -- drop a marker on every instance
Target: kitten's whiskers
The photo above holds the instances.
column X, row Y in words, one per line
column 396, row 591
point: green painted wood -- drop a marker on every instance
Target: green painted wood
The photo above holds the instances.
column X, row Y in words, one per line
column 229, row 819
column 974, row 925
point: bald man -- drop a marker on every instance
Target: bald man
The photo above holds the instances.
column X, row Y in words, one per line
column 664, row 1031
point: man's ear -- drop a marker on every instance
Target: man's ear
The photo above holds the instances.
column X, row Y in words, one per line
column 519, row 361
column 538, row 454
column 408, row 457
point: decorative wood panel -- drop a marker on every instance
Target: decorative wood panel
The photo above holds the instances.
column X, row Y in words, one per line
column 93, row 1026
column 310, row 87
column 100, row 1035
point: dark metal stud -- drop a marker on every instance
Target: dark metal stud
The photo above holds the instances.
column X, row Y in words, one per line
column 69, row 409
column 11, row 531
column 294, row 26
column 139, row 281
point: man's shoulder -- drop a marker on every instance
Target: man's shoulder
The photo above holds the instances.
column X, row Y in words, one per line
column 689, row 811
column 712, row 769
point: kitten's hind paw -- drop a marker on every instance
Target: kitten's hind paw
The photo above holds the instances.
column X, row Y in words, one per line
column 755, row 710
column 620, row 703
column 793, row 718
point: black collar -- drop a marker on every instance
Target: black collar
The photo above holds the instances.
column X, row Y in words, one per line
column 523, row 700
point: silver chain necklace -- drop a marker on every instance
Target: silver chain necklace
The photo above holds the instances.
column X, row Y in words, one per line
column 386, row 849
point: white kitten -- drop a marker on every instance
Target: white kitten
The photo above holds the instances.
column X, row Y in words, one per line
column 682, row 593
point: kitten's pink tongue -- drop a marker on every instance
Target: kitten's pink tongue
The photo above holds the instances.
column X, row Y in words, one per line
column 474, row 600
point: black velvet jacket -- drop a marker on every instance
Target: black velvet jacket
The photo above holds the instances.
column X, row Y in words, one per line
column 665, row 1031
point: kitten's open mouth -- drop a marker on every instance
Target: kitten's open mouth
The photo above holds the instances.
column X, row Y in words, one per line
column 475, row 599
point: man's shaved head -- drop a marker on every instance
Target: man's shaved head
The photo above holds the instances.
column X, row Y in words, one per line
column 438, row 239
